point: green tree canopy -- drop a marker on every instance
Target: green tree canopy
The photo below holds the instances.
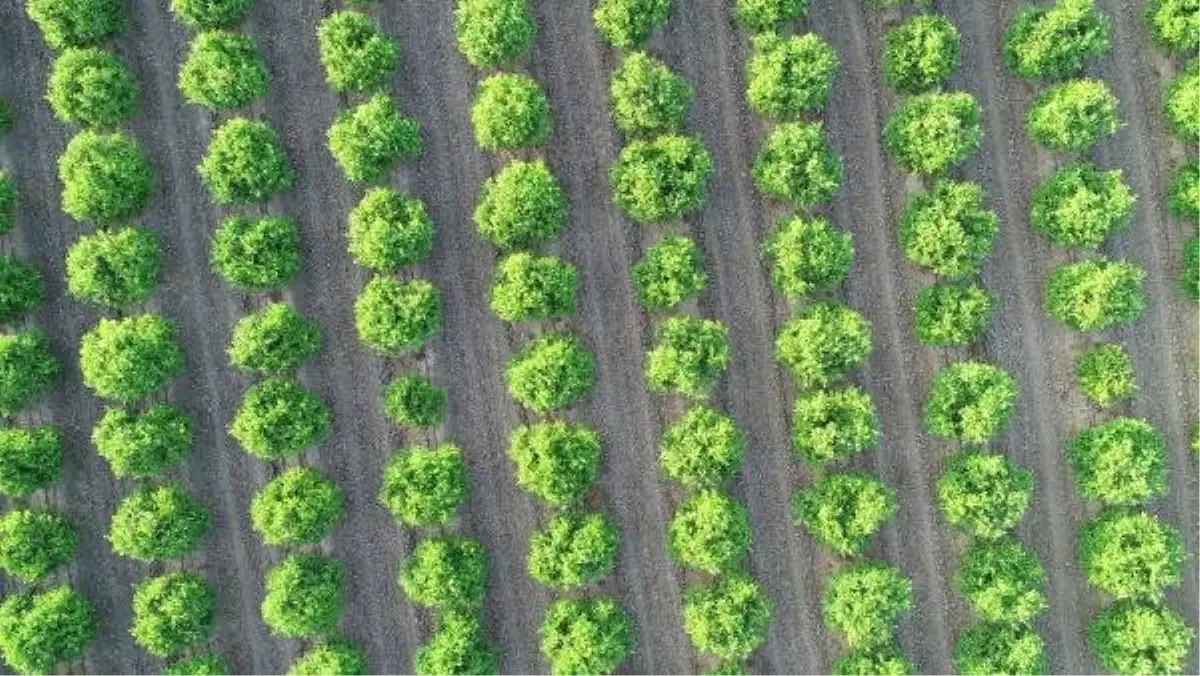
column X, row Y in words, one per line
column 1141, row 638
column 279, row 418
column 1130, row 554
column 331, row 656
column 445, row 573
column 646, row 97
column 491, row 32
column 521, row 206
column 368, row 139
column 703, row 449
column 114, row 267
column 90, row 87
column 197, row 14
column 727, row 617
column 8, row 202
column 129, row 358
column 822, row 343
column 807, row 255
column 999, row 648
column 199, row 664
column 761, row 16
column 555, row 461
column 143, row 444
column 919, row 54
column 457, row 646
column 551, row 372
column 33, row 542
column 256, row 254
column 863, row 600
column 709, row 532
column 303, row 596
column 878, row 661
column 526, row 287
column 1105, row 374
column 1073, row 115
column 626, row 24
column 1189, row 279
column 1054, row 42
column 948, row 230
column 223, row 69
column 21, row 288
column 300, row 506
column 424, row 486
column 1181, row 106
column 172, row 612
column 106, row 178
column 6, row 117
column 689, row 356
column 27, row 370
column 984, row 494
column 661, row 179
column 357, row 55
column 831, row 425
column 393, row 316
column 930, row 133
column 844, row 511
column 573, row 550
column 389, row 230
column 40, row 630
column 671, row 272
column 796, row 165
column 245, row 163
column 413, row 401
column 1095, row 294
column 789, row 76
column 274, row 339
column 30, row 458
column 76, row 23
column 970, row 401
column 952, row 314
column 588, row 635
column 510, row 112
column 158, row 523
column 1080, row 205
column 1002, row 580
column 1174, row 24
column 1120, row 462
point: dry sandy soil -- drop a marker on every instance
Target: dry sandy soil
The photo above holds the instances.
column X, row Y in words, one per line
column 436, row 86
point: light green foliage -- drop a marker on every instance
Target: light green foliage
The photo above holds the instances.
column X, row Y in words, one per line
column 1080, row 205
column 844, row 511
column 970, row 401
column 1189, row 279
column 106, row 178
column 952, row 314
column 198, row 14
column 20, row 288
column 919, row 54
column 807, row 255
column 1003, row 580
column 1055, row 42
column 671, row 272
column 445, row 573
column 200, row 664
column 822, row 343
column 273, row 340
column 27, row 370
column 245, row 163
column 300, row 506
column 172, row 612
column 661, row 179
column 76, row 23
column 30, row 459
column 143, row 444
column 129, row 358
column 709, row 532
column 491, row 32
column 223, row 69
column 831, row 425
column 1073, row 115
column 114, row 267
column 550, row 372
column 1105, row 374
column 948, row 230
column 555, row 461
column 393, row 316
column 626, row 24
column 457, row 646
column 413, row 401
column 510, row 112
column 424, row 486
column 1121, row 462
column 1130, row 554
column 646, row 97
column 573, row 550
column 931, row 133
column 356, row 54
column 796, row 165
column 33, row 542
column 158, row 523
column 987, row 649
column 760, row 16
column 1095, row 294
column 389, row 230
column 303, row 596
column 588, row 635
column 1174, row 24
column 862, row 602
column 1181, row 103
column 8, row 202
column 727, row 617
column 789, row 76
column 521, row 206
column 688, row 357
column 40, row 630
column 90, row 87
column 368, row 139
column 886, row 661
column 333, row 656
column 1141, row 638
column 529, row 287
column 984, row 494
column 702, row 449
column 256, row 254
column 279, row 418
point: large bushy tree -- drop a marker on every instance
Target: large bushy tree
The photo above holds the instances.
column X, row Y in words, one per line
column 727, row 617
column 1189, row 279
column 822, row 343
column 114, row 267
column 587, row 635
column 1105, row 374
column 273, row 340
column 129, row 358
column 368, row 139
column 90, row 87
column 807, row 255
column 1055, row 41
column 919, row 54
column 671, row 272
column 661, row 179
column 27, row 370
column 279, row 418
column 626, row 24
column 984, row 494
column 831, row 425
column 245, row 163
column 761, row 16
column 158, row 523
column 393, row 316
column 424, row 486
column 948, row 230
column 1130, row 554
column 303, row 596
column 843, row 511
column 930, row 133
column 709, row 532
column 223, row 69
column 445, row 573
column 411, row 400
column 300, row 506
column 34, row 542
column 172, row 612
column 76, row 23
column 573, row 550
column 389, row 230
column 1174, row 24
column 456, row 646
column 520, row 206
column 1121, row 462
column 1080, row 205
column 30, row 459
column 1002, row 580
column 550, row 372
column 999, row 648
column 143, row 444
column 970, row 401
column 357, row 55
column 1181, row 103
column 688, row 357
column 510, row 113
column 21, row 288
column 1095, row 294
column 199, row 14
column 555, row 461
column 527, row 287
column 647, row 98
column 331, row 656
column 789, row 76
column 42, row 629
column 492, row 32
column 952, row 314
column 199, row 664
column 256, row 254
column 874, row 662
column 796, row 165
column 862, row 602
column 703, row 449
column 106, row 178
column 1073, row 115
column 1141, row 638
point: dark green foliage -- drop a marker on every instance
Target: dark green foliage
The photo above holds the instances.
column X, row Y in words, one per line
column 1181, row 103
column 573, row 550
column 1095, row 294
column 393, row 316
column 303, row 596
column 1105, row 374
column 709, row 532
column 300, row 506
column 114, row 267
column 887, row 661
column 760, row 16
column 727, row 617
column 143, row 444
column 1003, row 580
column 789, row 76
column 952, row 314
column 30, row 459
column 245, row 163
column 862, row 602
column 279, row 418
column 970, row 401
column 1174, row 24
column 27, row 370
column 20, row 288
column 333, row 656
column 822, row 343
column 702, row 449
column 948, row 230
column 1130, row 554
column 1120, row 462
column 8, row 202
column 521, row 206
column 988, row 649
column 129, row 358
column 984, row 494
column 1141, row 638
column 273, row 340
column 75, row 23
column 1080, row 205
column 223, row 69
column 424, row 486
column 210, row 13
column 413, row 401
column 389, row 230
column 457, row 646
column 357, row 55
column 158, row 523
column 661, row 179
column 491, row 32
column 510, row 112
column 844, row 511
column 688, row 357
column 1073, row 115
column 550, row 372
column 106, row 178
column 831, row 425
column 172, row 612
column 626, row 24
column 555, row 461
column 919, row 54
column 256, row 254
column 40, row 630
column 33, row 542
column 200, row 664
column 795, row 164
column 931, row 133
column 6, row 117
column 368, row 139
column 646, row 97
column 1056, row 41
column 90, row 87
column 807, row 255
column 528, row 287
column 445, row 573
column 588, row 635
column 671, row 272
column 1189, row 279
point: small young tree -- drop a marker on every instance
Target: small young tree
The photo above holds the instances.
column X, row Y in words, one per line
column 970, row 401
column 172, row 612
column 671, row 272
column 952, row 314
column 356, row 54
column 832, row 425
column 588, row 635
column 863, row 600
column 555, row 461
column 761, row 16
column 223, row 69
column 528, row 287
column 393, row 316
column 8, row 202
column 303, row 596
column 1003, row 580
column 626, row 24
column 256, row 254
column 1080, row 205
column 114, row 267
column 661, row 179
column 76, row 23
column 413, row 401
column 919, row 54
column 878, row 661
column 550, row 372
column 1105, row 374
column 787, row 77
column 30, row 459
column 1121, row 462
column 389, row 230
column 573, row 550
column 297, row 507
column 807, row 255
column 245, row 163
column 106, row 178
column 647, row 99
column 40, row 630
column 948, row 230
column 129, row 358
column 279, row 418
column 332, row 656
column 199, row 664
column 424, row 486
column 727, row 617
column 1141, row 638
column 931, row 133
column 158, row 523
column 822, row 343
column 1095, row 294
column 89, row 87
column 1073, row 115
column 27, row 370
column 1130, row 555
column 1055, row 42
column 703, row 449
column 1000, row 648
column 33, row 542
column 445, row 573
column 21, row 288
column 1174, row 24
column 709, row 532
column 688, row 357
column 796, row 165
column 1181, row 103
column 457, row 646
column 143, row 444
column 984, row 494
column 521, row 206
column 844, row 511
column 510, row 113
column 368, row 139
column 200, row 14
column 274, row 339
column 491, row 32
